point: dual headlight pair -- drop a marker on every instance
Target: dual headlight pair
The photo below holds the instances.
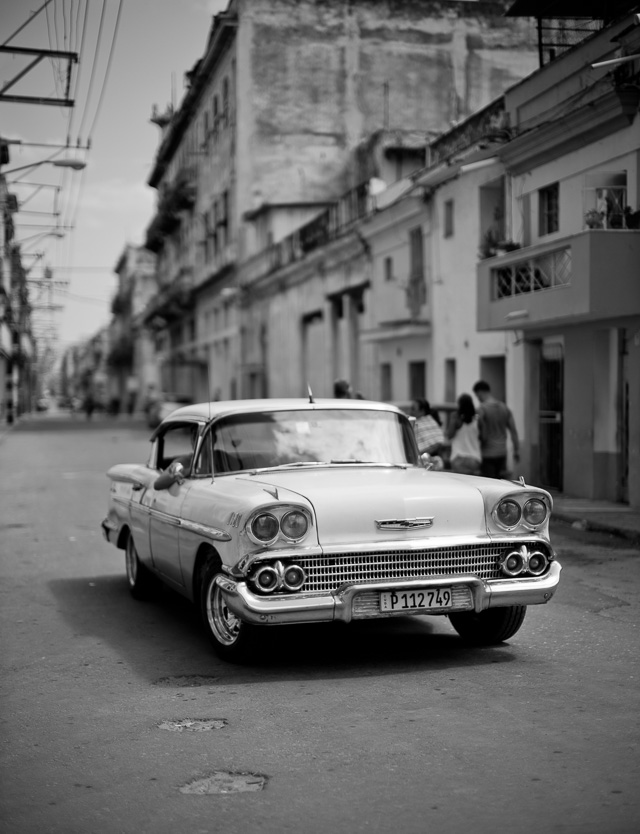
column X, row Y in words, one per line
column 509, row 513
column 266, row 528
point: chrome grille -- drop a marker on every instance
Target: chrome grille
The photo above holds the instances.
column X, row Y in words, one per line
column 327, row 573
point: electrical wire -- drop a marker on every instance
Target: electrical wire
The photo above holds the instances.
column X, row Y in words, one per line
column 93, row 67
column 106, row 73
column 80, row 65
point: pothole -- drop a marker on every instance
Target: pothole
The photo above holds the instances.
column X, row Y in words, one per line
column 193, row 725
column 186, row 680
column 222, row 781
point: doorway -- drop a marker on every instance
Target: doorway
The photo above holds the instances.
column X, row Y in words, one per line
column 550, row 412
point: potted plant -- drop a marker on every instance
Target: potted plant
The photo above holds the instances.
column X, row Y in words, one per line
column 594, row 219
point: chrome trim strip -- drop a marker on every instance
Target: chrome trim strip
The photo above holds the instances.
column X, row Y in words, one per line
column 165, row 518
column 205, row 530
column 404, row 523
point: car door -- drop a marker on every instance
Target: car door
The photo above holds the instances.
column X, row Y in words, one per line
column 176, row 443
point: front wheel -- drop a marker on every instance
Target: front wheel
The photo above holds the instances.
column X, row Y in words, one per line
column 142, row 583
column 487, row 628
column 232, row 639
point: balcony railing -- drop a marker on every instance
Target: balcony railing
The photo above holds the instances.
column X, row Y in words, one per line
column 535, row 274
column 579, row 278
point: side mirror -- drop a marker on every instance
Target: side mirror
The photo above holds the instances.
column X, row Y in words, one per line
column 174, row 474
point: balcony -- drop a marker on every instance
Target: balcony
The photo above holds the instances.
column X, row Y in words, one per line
column 580, row 278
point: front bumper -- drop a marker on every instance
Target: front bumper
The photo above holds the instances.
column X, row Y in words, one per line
column 360, row 601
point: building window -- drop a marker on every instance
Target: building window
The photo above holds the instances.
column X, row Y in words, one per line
column 216, row 117
column 225, row 102
column 388, row 269
column 416, row 252
column 417, row 379
column 450, row 380
column 386, row 382
column 416, row 290
column 205, row 129
column 448, row 218
column 549, row 204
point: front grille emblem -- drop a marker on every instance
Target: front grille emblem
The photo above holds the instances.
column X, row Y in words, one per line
column 404, row 523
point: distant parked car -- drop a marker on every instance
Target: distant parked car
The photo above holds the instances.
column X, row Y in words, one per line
column 264, row 512
column 165, row 405
column 42, row 404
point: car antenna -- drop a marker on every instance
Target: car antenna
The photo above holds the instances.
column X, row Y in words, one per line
column 311, row 400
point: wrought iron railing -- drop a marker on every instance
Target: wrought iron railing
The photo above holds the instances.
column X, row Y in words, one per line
column 533, row 274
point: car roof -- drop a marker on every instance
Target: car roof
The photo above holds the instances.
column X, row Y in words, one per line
column 209, row 411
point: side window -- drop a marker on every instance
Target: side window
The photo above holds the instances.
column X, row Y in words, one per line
column 177, row 443
column 204, row 464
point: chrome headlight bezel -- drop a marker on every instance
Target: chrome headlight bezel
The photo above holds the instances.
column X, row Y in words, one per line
column 525, row 503
column 255, row 538
column 278, row 513
column 496, row 513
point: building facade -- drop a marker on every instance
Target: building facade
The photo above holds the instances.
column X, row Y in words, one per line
column 274, row 129
column 570, row 293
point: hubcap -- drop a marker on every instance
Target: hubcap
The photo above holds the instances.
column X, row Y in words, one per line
column 223, row 623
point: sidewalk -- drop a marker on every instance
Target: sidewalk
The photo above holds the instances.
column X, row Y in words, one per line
column 601, row 516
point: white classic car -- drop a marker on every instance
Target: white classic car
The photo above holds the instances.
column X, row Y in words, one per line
column 265, row 512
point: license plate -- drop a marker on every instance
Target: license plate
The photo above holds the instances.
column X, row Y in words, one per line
column 416, row 600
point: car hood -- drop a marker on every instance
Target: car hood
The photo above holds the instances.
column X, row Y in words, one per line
column 349, row 501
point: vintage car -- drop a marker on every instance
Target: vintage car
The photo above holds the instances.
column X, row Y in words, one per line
column 265, row 512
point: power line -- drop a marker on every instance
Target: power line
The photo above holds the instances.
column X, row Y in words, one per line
column 106, row 74
column 93, row 67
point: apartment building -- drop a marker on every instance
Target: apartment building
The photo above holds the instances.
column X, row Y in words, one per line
column 570, row 292
column 263, row 143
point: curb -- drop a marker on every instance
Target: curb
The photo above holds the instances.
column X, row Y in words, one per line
column 597, row 526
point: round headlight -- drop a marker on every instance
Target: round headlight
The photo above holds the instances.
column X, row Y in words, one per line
column 512, row 563
column 294, row 577
column 294, row 525
column 508, row 513
column 537, row 563
column 265, row 528
column 535, row 512
column 266, row 578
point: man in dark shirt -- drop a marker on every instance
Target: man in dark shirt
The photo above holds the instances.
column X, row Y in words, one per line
column 494, row 421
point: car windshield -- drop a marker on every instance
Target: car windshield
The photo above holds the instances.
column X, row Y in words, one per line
column 287, row 438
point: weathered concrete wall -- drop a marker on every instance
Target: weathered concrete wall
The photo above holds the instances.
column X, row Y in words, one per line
column 325, row 75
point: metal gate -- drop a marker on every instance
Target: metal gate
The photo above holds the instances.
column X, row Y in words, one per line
column 550, row 415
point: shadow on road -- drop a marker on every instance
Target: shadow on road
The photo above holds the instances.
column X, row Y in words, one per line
column 164, row 642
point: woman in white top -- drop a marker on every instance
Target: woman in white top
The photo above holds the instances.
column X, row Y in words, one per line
column 463, row 433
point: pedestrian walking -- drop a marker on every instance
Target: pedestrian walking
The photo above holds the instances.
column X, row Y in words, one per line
column 495, row 420
column 428, row 431
column 462, row 431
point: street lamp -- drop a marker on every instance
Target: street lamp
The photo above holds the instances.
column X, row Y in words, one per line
column 74, row 164
column 29, row 240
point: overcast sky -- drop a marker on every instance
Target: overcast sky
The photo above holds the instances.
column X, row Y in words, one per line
column 134, row 55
